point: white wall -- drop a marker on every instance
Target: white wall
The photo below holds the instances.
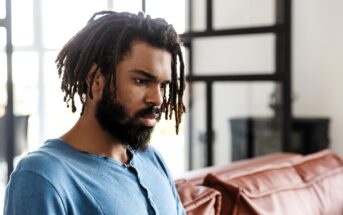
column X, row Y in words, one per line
column 317, row 60
column 318, row 63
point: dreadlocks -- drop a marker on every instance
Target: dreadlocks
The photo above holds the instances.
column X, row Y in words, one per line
column 105, row 40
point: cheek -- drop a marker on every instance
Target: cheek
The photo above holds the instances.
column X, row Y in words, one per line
column 132, row 100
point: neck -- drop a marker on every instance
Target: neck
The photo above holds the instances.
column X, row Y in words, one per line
column 88, row 136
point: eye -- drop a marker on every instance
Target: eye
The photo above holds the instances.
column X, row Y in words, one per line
column 141, row 81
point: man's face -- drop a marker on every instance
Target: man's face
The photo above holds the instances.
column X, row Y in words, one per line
column 140, row 81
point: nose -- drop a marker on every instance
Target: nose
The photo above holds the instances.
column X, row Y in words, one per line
column 154, row 96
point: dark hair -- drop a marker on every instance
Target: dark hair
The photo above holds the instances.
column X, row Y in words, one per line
column 105, row 41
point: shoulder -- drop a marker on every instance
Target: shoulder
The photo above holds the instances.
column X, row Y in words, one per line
column 40, row 162
column 45, row 163
column 29, row 192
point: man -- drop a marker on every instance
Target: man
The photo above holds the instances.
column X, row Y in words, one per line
column 124, row 69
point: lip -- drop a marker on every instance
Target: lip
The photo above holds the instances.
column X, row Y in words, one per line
column 149, row 120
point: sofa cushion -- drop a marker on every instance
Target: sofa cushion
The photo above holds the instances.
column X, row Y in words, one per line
column 198, row 200
column 312, row 184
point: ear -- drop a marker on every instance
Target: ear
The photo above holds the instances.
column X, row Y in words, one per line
column 98, row 80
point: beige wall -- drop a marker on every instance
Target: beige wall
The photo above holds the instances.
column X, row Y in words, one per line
column 318, row 63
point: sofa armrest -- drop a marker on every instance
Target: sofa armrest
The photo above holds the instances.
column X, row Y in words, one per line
column 198, row 200
column 197, row 176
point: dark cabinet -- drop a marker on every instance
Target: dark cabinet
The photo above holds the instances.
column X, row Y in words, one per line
column 253, row 137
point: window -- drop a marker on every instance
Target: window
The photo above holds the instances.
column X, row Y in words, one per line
column 40, row 29
column 22, row 23
column 2, row 9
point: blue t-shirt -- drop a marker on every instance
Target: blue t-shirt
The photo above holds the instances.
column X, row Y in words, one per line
column 58, row 179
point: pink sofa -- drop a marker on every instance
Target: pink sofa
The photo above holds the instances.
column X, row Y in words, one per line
column 282, row 183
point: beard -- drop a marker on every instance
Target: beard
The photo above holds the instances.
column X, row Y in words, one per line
column 113, row 117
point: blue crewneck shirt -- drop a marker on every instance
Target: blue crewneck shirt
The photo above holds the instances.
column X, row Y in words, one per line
column 58, row 179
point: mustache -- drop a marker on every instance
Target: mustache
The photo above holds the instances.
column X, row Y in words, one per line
column 148, row 111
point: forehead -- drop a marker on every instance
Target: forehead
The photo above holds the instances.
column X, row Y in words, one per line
column 143, row 56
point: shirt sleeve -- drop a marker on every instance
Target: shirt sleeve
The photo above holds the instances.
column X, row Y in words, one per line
column 30, row 193
column 180, row 208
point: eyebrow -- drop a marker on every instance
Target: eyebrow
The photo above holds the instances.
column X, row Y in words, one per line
column 147, row 75
column 144, row 73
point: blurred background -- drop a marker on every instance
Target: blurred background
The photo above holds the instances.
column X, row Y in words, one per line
column 263, row 76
